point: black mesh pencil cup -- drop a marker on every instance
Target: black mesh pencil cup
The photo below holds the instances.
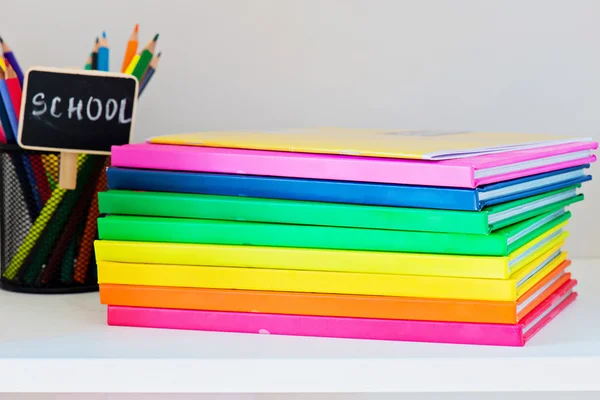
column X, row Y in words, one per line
column 47, row 233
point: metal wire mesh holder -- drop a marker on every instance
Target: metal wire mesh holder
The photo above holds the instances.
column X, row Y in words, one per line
column 47, row 233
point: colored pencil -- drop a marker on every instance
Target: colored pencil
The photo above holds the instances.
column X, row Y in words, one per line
column 2, row 64
column 14, row 89
column 9, row 55
column 18, row 161
column 132, row 64
column 51, row 165
column 150, row 72
column 4, row 117
column 67, row 265
column 145, row 59
column 73, row 220
column 23, row 165
column 95, row 54
column 2, row 135
column 12, row 127
column 91, row 228
column 131, row 50
column 34, row 234
column 103, row 54
column 88, row 63
column 66, row 212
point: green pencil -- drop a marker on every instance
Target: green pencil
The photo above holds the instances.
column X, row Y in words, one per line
column 145, row 59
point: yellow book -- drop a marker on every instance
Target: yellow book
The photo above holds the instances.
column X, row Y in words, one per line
column 331, row 282
column 330, row 260
column 391, row 143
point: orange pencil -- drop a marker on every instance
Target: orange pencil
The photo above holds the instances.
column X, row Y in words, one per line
column 131, row 50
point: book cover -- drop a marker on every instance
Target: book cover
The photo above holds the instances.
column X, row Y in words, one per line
column 389, row 143
column 331, row 282
column 469, row 172
column 338, row 305
column 354, row 328
column 377, row 262
column 182, row 230
column 376, row 194
column 235, row 208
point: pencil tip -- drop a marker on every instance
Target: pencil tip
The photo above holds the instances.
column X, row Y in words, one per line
column 159, row 54
column 104, row 34
column 97, row 39
column 137, row 28
column 155, row 38
column 1, row 40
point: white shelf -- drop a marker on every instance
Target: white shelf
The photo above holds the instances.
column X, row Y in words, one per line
column 61, row 343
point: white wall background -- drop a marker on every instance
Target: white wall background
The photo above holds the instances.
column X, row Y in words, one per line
column 511, row 65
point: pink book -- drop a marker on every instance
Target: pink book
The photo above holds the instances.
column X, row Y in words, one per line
column 468, row 172
column 350, row 328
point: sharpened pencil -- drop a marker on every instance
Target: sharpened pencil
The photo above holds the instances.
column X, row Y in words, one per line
column 150, row 72
column 95, row 54
column 88, row 63
column 14, row 90
column 9, row 55
column 103, row 53
column 132, row 47
column 12, row 128
column 145, row 59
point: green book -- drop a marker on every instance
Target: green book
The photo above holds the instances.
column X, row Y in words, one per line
column 186, row 230
column 232, row 208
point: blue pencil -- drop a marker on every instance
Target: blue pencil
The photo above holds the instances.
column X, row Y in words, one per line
column 103, row 54
column 150, row 72
column 11, row 129
column 10, row 56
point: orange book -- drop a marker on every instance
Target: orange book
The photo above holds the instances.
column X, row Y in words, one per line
column 320, row 304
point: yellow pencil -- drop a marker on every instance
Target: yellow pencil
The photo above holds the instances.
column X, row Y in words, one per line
column 132, row 64
column 34, row 233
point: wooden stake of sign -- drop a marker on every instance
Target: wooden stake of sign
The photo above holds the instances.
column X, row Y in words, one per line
column 72, row 112
column 67, row 174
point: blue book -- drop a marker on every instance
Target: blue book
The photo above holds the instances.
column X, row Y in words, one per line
column 342, row 191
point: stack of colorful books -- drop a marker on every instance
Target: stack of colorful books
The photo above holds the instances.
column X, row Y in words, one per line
column 450, row 237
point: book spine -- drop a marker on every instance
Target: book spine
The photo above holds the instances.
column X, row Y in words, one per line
column 305, row 281
column 174, row 230
column 293, row 189
column 318, row 326
column 323, row 304
column 249, row 162
column 381, row 262
column 232, row 208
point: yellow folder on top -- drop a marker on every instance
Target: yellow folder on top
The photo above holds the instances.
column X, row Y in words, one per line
column 391, row 143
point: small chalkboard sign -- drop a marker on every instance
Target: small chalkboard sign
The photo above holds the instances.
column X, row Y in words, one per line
column 76, row 111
